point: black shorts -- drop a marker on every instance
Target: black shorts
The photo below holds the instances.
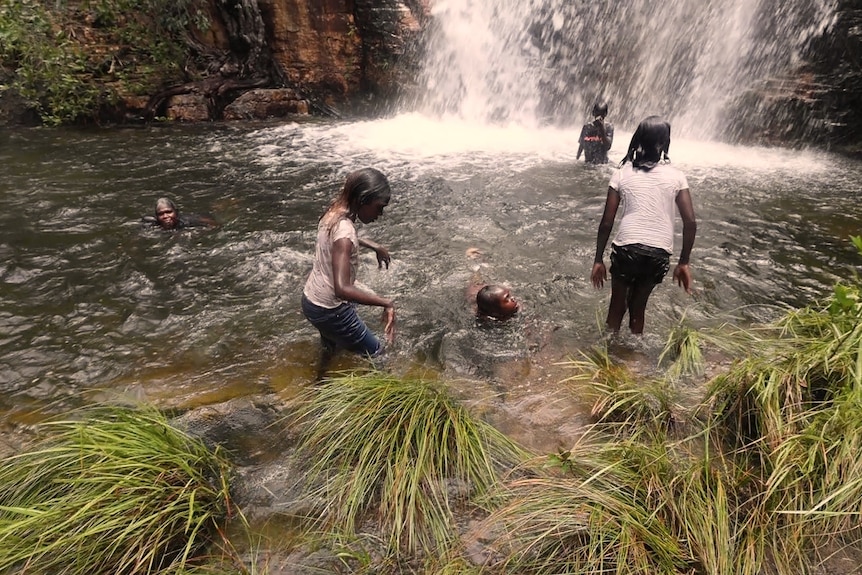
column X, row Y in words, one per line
column 639, row 264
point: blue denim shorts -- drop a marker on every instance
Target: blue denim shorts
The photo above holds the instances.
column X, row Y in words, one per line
column 342, row 328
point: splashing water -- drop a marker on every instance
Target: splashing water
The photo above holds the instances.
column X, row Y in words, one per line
column 536, row 62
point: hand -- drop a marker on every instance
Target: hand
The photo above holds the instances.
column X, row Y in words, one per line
column 682, row 277
column 382, row 257
column 389, row 324
column 599, row 275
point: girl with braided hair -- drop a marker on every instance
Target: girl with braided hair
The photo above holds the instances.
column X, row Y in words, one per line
column 647, row 187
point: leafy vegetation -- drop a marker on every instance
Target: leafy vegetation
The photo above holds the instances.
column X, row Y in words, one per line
column 400, row 451
column 67, row 59
column 119, row 491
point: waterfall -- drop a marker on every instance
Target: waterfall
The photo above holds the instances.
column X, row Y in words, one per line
column 545, row 62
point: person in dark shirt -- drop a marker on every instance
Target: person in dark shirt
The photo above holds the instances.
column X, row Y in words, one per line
column 167, row 217
column 596, row 137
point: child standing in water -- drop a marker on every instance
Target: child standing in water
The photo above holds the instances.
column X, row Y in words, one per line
column 330, row 295
column 647, row 187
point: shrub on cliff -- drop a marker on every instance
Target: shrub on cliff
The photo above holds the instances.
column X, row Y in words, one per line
column 67, row 60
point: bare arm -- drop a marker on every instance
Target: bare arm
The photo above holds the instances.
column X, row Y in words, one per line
column 381, row 252
column 606, row 135
column 345, row 289
column 682, row 273
column 606, row 225
column 608, row 138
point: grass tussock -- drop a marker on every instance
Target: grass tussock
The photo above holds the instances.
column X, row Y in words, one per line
column 606, row 513
column 620, row 396
column 682, row 352
column 400, row 452
column 116, row 492
column 794, row 408
column 769, row 479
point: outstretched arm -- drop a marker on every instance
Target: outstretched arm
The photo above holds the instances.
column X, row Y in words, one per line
column 682, row 273
column 600, row 272
column 381, row 252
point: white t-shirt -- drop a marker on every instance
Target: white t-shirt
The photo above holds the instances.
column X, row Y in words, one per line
column 319, row 288
column 648, row 200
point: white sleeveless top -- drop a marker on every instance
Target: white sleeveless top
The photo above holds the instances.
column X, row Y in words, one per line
column 648, row 200
column 319, row 287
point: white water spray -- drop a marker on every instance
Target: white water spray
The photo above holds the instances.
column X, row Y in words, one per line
column 537, row 62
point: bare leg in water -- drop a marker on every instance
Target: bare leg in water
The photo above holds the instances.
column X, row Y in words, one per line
column 628, row 297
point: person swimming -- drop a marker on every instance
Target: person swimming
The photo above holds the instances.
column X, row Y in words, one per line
column 167, row 217
column 496, row 301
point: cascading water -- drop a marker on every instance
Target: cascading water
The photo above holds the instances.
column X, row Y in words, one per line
column 539, row 62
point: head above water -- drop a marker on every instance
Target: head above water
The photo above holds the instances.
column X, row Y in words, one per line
column 496, row 301
column 650, row 143
column 167, row 214
column 366, row 192
column 600, row 109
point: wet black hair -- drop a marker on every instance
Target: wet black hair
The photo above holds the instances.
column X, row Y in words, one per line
column 364, row 186
column 650, row 143
column 600, row 109
column 361, row 187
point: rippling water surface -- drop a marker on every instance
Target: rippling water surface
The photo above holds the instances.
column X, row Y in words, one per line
column 91, row 302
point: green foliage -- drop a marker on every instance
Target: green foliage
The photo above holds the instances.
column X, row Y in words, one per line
column 66, row 61
column 683, row 351
column 46, row 66
column 119, row 491
column 398, row 450
column 619, row 396
column 606, row 514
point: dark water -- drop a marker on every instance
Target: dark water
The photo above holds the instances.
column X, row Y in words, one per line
column 90, row 302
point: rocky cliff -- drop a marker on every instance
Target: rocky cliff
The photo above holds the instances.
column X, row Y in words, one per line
column 279, row 57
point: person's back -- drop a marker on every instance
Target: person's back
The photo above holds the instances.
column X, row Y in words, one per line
column 648, row 190
column 648, row 201
column 596, row 137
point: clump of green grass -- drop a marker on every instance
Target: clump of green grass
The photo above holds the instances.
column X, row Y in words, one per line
column 401, row 452
column 620, row 396
column 607, row 512
column 793, row 410
column 683, row 351
column 118, row 491
column 794, row 368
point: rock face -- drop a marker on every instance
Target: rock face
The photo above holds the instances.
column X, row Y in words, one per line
column 820, row 103
column 323, row 55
